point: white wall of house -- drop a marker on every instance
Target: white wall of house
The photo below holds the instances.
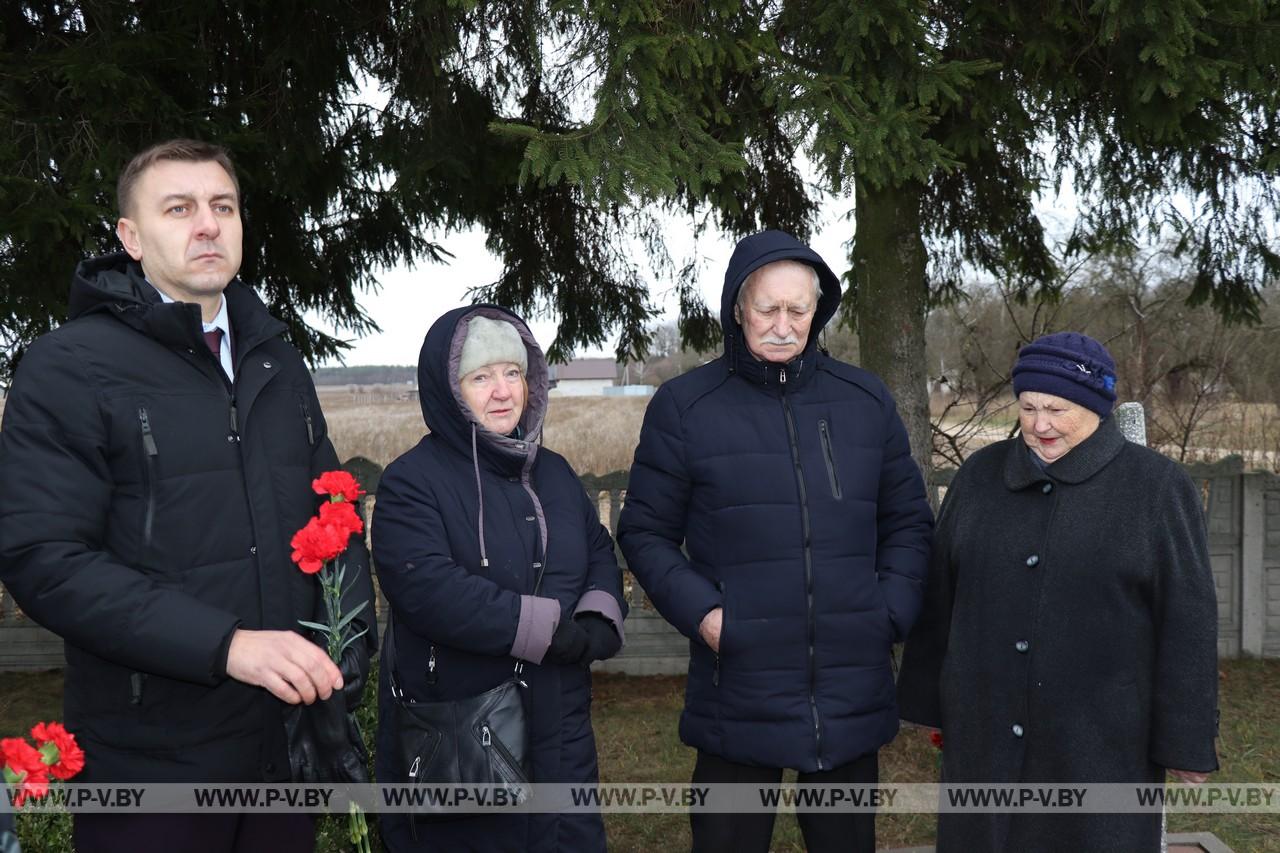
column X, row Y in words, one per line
column 581, row 387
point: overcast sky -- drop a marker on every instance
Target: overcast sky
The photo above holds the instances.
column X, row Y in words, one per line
column 409, row 301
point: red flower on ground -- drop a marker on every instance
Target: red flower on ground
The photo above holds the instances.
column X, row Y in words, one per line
column 935, row 738
column 342, row 517
column 59, row 749
column 317, row 544
column 24, row 769
column 337, row 484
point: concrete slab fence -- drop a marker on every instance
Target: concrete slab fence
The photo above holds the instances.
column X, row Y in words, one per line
column 1242, row 510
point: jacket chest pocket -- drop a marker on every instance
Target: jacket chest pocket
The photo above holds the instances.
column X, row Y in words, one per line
column 150, row 451
column 829, row 458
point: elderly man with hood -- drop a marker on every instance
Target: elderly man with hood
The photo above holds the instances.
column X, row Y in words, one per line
column 788, row 478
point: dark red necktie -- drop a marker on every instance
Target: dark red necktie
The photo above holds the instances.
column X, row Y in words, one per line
column 214, row 341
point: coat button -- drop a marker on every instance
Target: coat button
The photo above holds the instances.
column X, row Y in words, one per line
column 1017, row 730
column 253, row 549
column 1022, row 646
column 1033, row 561
column 529, row 518
column 267, row 365
column 1047, row 488
column 231, row 437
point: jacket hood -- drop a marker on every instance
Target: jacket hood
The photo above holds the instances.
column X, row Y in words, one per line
column 443, row 409
column 115, row 284
column 752, row 253
column 115, row 279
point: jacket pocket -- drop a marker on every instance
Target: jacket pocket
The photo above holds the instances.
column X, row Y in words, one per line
column 149, row 454
column 724, row 624
column 828, row 456
column 305, row 409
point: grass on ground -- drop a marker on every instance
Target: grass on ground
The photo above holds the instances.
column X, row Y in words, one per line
column 636, row 718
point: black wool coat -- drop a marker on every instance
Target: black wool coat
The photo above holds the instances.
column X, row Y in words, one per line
column 1069, row 635
column 146, row 513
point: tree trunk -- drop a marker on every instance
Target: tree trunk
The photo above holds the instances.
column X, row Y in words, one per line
column 889, row 263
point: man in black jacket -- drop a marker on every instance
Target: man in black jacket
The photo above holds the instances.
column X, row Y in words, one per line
column 157, row 455
column 787, row 477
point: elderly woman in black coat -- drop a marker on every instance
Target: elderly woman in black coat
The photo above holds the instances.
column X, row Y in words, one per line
column 1070, row 623
column 465, row 524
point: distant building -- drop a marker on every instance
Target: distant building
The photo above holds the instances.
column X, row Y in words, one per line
column 583, row 377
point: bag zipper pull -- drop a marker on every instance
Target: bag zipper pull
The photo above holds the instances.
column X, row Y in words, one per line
column 413, row 771
column 485, row 737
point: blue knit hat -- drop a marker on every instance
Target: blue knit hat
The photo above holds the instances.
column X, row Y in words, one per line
column 1068, row 365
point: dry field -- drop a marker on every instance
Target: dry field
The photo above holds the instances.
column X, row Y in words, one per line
column 596, row 434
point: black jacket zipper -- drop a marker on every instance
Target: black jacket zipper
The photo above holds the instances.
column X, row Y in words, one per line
column 137, row 681
column 808, row 577
column 829, row 457
column 150, row 451
column 306, row 417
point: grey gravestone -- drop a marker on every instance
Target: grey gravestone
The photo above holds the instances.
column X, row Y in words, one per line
column 1132, row 421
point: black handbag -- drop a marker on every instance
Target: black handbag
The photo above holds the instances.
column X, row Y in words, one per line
column 478, row 740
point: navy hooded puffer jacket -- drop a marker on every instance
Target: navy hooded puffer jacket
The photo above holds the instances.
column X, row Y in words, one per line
column 458, row 622
column 793, row 490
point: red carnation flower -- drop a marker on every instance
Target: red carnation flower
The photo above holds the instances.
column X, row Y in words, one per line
column 337, row 484
column 935, row 738
column 342, row 517
column 59, row 749
column 24, row 769
column 317, row 544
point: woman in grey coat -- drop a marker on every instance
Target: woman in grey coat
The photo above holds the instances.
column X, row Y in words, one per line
column 1069, row 632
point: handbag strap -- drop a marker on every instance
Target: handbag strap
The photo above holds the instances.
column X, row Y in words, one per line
column 389, row 642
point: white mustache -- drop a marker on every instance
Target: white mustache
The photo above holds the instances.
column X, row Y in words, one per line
column 789, row 340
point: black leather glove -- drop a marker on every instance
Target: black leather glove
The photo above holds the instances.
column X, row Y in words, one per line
column 354, row 667
column 568, row 643
column 325, row 743
column 603, row 641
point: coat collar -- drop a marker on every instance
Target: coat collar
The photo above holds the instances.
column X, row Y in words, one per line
column 768, row 374
column 115, row 283
column 1081, row 463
